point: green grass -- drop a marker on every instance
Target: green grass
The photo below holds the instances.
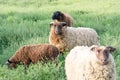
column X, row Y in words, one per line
column 26, row 22
column 47, row 71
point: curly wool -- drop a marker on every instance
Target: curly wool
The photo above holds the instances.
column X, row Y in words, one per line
column 72, row 37
column 81, row 64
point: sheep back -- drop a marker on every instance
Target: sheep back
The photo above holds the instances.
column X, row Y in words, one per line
column 68, row 19
column 79, row 36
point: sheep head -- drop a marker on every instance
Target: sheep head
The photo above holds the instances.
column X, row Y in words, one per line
column 11, row 64
column 102, row 53
column 58, row 15
column 58, row 27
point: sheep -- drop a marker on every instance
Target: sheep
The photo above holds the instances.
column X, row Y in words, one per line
column 90, row 63
column 32, row 54
column 65, row 38
column 63, row 17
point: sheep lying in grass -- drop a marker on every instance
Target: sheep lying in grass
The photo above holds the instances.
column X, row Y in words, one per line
column 63, row 17
column 33, row 54
column 90, row 63
column 64, row 37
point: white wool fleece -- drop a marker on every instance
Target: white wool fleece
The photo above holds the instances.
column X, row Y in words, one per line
column 81, row 64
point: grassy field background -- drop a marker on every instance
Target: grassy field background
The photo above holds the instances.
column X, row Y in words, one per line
column 26, row 22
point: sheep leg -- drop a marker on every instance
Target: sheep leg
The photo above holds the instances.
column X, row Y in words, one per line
column 27, row 63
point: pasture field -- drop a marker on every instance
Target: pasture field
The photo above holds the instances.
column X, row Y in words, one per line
column 26, row 22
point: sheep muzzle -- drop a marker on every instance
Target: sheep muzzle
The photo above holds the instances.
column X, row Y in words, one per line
column 10, row 64
column 58, row 31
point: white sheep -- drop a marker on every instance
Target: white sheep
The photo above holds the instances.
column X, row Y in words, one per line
column 65, row 38
column 90, row 63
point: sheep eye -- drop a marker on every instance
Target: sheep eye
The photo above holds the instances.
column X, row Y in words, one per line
column 105, row 51
column 54, row 25
column 99, row 51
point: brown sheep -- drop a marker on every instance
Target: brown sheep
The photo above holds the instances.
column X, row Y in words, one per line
column 33, row 54
column 63, row 17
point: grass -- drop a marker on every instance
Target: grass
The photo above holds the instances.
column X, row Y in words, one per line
column 26, row 22
column 34, row 72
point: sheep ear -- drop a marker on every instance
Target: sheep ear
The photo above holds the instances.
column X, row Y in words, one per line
column 93, row 47
column 110, row 48
column 51, row 24
column 63, row 24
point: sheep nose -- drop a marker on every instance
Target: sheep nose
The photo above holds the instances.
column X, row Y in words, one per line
column 7, row 63
column 104, row 61
column 58, row 32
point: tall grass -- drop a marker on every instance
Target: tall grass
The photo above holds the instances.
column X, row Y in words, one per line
column 26, row 22
column 47, row 71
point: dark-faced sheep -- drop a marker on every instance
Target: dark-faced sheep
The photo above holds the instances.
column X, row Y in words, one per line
column 65, row 38
column 33, row 54
column 63, row 17
column 90, row 63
